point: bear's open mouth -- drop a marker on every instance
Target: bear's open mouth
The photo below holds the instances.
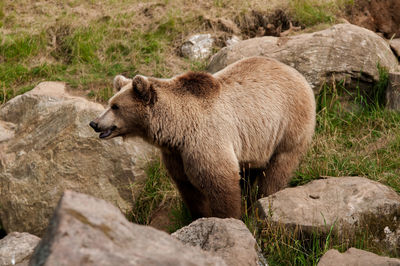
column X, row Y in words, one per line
column 107, row 133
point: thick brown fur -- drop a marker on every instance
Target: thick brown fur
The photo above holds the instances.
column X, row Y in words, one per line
column 197, row 83
column 256, row 113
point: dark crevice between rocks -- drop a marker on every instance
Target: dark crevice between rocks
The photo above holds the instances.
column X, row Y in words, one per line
column 3, row 232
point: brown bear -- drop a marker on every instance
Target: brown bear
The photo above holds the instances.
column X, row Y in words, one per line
column 256, row 113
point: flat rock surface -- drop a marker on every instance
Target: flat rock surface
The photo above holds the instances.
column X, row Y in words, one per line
column 355, row 257
column 226, row 238
column 89, row 231
column 17, row 248
column 342, row 52
column 339, row 201
column 47, row 147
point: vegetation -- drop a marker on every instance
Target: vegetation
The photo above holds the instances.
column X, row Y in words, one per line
column 158, row 193
column 86, row 43
column 364, row 143
column 313, row 12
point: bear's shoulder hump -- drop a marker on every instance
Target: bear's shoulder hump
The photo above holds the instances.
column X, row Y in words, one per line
column 199, row 84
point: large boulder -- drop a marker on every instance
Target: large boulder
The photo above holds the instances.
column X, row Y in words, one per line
column 226, row 238
column 89, row 231
column 47, row 147
column 17, row 248
column 355, row 257
column 342, row 52
column 338, row 203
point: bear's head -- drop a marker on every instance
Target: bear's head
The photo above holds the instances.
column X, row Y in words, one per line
column 127, row 110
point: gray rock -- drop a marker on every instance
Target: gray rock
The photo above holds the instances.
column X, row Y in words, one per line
column 344, row 202
column 198, row 46
column 393, row 92
column 342, row 52
column 49, row 147
column 355, row 257
column 395, row 45
column 17, row 248
column 226, row 238
column 89, row 231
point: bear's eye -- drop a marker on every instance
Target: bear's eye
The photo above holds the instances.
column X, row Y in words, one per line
column 114, row 107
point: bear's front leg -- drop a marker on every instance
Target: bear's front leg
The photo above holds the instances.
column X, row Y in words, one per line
column 219, row 182
column 196, row 201
column 223, row 193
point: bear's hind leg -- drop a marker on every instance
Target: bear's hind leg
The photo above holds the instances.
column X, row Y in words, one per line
column 278, row 172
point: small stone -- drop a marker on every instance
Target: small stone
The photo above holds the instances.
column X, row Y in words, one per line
column 16, row 248
column 391, row 239
column 198, row 47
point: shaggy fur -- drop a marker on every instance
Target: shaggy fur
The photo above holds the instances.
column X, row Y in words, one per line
column 256, row 113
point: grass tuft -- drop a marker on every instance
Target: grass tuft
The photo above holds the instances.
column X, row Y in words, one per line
column 158, row 193
column 311, row 12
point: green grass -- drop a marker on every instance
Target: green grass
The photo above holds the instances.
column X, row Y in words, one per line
column 313, row 12
column 158, row 192
column 86, row 57
column 310, row 13
column 364, row 142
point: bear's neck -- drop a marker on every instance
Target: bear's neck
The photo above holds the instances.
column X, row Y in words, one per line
column 168, row 127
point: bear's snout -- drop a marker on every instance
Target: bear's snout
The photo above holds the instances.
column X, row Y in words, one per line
column 95, row 126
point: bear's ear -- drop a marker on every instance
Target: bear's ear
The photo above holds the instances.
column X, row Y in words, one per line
column 143, row 90
column 120, row 81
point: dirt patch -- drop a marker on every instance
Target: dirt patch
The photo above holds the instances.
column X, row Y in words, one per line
column 258, row 23
column 382, row 16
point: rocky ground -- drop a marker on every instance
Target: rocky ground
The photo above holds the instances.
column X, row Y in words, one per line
column 48, row 152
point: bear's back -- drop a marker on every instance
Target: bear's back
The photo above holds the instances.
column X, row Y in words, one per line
column 263, row 101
